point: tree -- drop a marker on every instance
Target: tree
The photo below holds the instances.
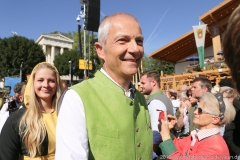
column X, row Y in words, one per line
column 153, row 64
column 15, row 50
column 61, row 61
column 90, row 37
column 62, row 64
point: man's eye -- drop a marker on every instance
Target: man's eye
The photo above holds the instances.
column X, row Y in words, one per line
column 122, row 40
column 139, row 42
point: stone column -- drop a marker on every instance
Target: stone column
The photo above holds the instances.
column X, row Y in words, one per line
column 52, row 54
column 44, row 51
column 49, row 57
column 61, row 50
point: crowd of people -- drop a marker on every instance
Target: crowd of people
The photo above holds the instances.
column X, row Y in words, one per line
column 106, row 117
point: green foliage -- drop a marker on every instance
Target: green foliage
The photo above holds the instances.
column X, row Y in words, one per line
column 61, row 61
column 92, row 38
column 168, row 68
column 62, row 64
column 153, row 64
column 15, row 50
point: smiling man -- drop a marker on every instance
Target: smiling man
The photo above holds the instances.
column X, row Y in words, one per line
column 106, row 117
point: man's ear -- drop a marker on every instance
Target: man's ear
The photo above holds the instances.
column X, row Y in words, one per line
column 206, row 89
column 153, row 82
column 21, row 98
column 99, row 50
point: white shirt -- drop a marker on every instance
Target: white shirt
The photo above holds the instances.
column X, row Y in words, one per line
column 152, row 108
column 4, row 108
column 4, row 114
column 176, row 104
column 3, row 119
column 71, row 132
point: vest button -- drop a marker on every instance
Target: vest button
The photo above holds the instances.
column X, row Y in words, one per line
column 149, row 125
column 131, row 103
column 138, row 144
column 137, row 129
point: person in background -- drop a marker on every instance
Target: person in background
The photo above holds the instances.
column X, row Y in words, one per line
column 226, row 83
column 231, row 48
column 64, row 84
column 200, row 85
column 175, row 101
column 29, row 133
column 12, row 106
column 157, row 102
column 88, row 123
column 231, row 130
column 183, row 108
column 204, row 142
column 167, row 93
column 231, row 51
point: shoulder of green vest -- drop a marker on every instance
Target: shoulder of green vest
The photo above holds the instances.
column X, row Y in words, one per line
column 100, row 80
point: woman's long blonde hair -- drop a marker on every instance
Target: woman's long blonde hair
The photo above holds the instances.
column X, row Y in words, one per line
column 32, row 129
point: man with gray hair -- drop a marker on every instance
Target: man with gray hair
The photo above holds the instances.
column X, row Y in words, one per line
column 105, row 117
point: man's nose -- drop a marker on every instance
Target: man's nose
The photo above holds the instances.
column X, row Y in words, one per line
column 133, row 47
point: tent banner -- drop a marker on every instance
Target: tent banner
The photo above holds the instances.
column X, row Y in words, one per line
column 199, row 34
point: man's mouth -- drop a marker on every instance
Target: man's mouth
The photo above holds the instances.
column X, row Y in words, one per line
column 130, row 60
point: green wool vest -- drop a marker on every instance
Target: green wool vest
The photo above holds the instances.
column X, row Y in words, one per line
column 118, row 127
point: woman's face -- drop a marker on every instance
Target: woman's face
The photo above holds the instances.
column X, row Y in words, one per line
column 45, row 84
column 203, row 120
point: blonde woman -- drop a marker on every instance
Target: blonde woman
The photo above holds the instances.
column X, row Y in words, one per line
column 29, row 133
column 206, row 141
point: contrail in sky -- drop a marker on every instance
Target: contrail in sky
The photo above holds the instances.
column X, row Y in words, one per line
column 156, row 26
column 102, row 14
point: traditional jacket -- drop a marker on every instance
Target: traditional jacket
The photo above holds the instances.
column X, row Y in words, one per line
column 163, row 98
column 118, row 127
column 213, row 147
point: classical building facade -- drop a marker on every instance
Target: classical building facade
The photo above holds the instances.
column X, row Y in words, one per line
column 54, row 44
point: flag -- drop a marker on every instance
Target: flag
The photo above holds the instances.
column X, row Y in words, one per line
column 199, row 34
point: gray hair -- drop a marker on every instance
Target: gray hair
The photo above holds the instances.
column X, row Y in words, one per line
column 106, row 24
column 211, row 102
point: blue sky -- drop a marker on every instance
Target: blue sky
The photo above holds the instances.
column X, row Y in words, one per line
column 162, row 21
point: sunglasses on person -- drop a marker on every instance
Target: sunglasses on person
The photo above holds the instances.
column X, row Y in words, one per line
column 201, row 111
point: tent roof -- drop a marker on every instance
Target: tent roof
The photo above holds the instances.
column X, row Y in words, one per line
column 185, row 45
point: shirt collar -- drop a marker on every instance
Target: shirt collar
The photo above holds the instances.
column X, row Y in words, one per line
column 131, row 86
column 204, row 133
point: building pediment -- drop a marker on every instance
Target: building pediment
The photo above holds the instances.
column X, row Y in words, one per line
column 58, row 37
